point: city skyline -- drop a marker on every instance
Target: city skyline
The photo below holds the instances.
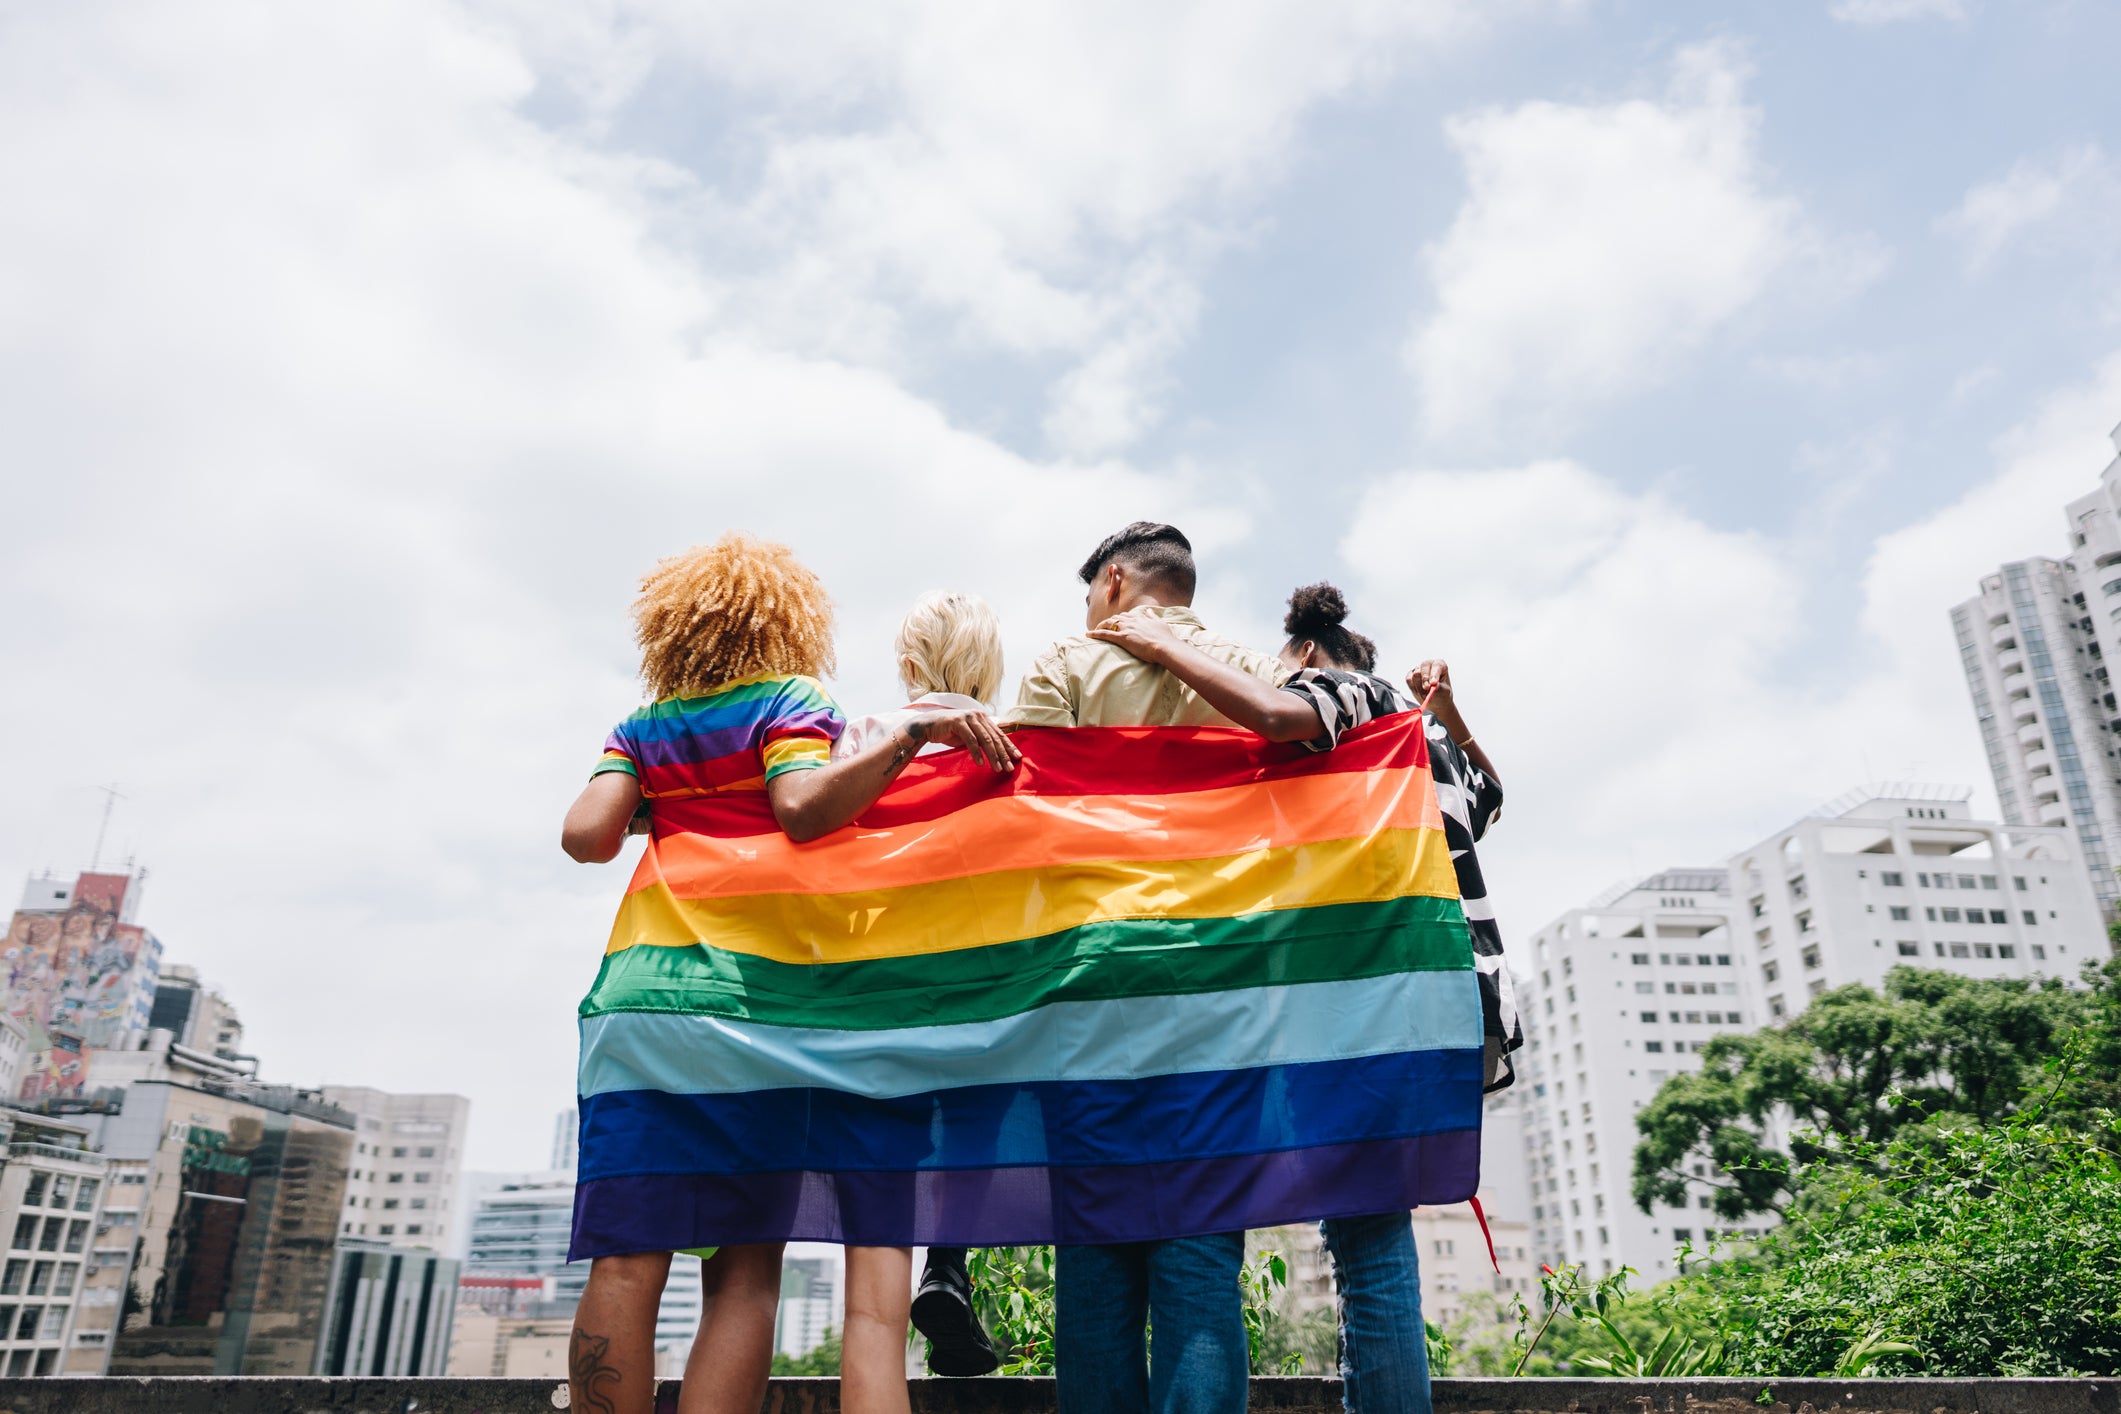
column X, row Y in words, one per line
column 1671, row 373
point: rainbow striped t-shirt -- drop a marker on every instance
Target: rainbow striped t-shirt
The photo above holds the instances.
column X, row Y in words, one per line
column 736, row 738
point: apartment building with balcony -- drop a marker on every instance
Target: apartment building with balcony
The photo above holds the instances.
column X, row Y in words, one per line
column 1902, row 873
column 52, row 1188
column 2036, row 645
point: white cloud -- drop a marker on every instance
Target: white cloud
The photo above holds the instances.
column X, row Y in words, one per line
column 1596, row 246
column 1640, row 675
column 921, row 174
column 2079, row 188
column 1886, row 12
column 336, row 442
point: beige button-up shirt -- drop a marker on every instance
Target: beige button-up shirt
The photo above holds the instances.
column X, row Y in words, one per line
column 1080, row 682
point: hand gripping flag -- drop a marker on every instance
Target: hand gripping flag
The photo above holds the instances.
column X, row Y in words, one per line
column 1159, row 982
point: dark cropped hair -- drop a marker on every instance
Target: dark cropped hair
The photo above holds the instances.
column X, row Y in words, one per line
column 1315, row 614
column 1157, row 552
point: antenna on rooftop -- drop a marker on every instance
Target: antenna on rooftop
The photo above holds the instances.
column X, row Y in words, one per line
column 110, row 801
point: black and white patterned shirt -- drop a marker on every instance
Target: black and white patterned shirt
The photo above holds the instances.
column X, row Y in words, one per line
column 1471, row 800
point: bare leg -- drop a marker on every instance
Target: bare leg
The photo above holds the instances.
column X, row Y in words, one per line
column 873, row 1349
column 611, row 1362
column 740, row 1295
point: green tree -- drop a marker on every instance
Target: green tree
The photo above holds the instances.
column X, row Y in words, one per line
column 1947, row 1250
column 1958, row 1049
column 823, row 1358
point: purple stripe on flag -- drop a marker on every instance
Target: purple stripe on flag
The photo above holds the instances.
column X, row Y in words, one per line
column 1019, row 1206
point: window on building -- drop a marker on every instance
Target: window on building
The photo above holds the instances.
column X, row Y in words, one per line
column 11, row 1279
column 1650, row 1017
column 1797, row 886
column 413, row 1231
column 398, row 1153
column 1645, row 988
column 1693, row 1018
column 25, row 1232
column 2039, row 953
column 1760, row 907
column 1764, row 937
column 1951, row 915
column 1959, row 950
column 400, row 1178
column 1966, row 881
column 62, row 1190
column 2006, row 950
column 1639, row 959
column 76, row 1234
column 1892, row 877
column 2031, row 917
column 1900, row 913
column 33, row 1191
column 26, row 1323
column 1984, row 950
column 389, row 1203
column 1908, row 949
column 2018, row 882
column 40, row 1278
column 1804, row 923
column 386, row 1229
column 1811, row 956
column 85, row 1198
column 1671, row 989
column 1988, row 881
column 1776, row 1008
column 1930, row 913
column 54, row 1229
column 1723, row 959
column 1653, row 1047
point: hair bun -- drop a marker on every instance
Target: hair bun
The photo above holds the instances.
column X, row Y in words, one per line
column 1314, row 609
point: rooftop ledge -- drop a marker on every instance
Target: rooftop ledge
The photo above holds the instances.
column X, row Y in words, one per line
column 290, row 1395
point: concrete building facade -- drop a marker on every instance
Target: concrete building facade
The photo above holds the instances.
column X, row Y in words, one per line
column 2035, row 645
column 51, row 1196
column 1624, row 993
column 1903, row 873
column 401, row 1188
column 1620, row 995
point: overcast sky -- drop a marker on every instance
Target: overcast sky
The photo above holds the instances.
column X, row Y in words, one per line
column 1669, row 369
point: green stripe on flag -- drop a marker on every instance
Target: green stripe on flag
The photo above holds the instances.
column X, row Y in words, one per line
column 1121, row 958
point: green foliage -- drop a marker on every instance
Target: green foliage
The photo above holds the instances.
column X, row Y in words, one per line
column 1934, row 1050
column 1282, row 1341
column 1012, row 1289
column 1952, row 1250
column 823, row 1360
column 1438, row 1341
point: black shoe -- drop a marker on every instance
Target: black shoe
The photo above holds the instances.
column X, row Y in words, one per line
column 942, row 1311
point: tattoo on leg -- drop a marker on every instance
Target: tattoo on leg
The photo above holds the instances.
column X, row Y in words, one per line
column 594, row 1377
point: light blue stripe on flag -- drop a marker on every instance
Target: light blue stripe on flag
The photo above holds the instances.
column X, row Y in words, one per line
column 1122, row 1038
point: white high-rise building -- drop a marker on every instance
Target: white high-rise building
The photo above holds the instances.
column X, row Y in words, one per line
column 401, row 1188
column 1598, row 1043
column 1625, row 992
column 565, row 1131
column 2034, row 645
column 1901, row 873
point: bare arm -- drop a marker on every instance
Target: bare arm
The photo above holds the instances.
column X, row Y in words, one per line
column 812, row 803
column 596, row 822
column 1252, row 703
column 1432, row 681
column 806, row 804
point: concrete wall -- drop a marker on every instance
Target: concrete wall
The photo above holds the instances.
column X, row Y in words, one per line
column 1023, row 1396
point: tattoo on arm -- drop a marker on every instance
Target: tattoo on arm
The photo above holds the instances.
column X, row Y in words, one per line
column 591, row 1371
column 910, row 744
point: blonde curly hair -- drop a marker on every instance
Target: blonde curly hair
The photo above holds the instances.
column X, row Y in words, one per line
column 734, row 609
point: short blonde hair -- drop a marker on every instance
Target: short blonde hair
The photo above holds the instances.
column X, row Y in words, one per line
column 734, row 609
column 950, row 642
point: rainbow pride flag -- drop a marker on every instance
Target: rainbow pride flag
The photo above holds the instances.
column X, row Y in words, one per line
column 1160, row 982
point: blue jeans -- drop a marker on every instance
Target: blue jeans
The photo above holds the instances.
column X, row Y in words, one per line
column 1188, row 1288
column 1384, row 1355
